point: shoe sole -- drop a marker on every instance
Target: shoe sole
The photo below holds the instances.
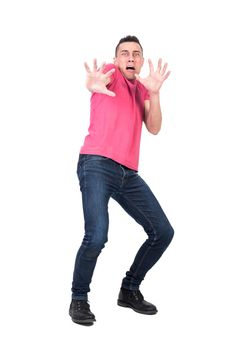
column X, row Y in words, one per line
column 123, row 304
column 84, row 323
column 87, row 322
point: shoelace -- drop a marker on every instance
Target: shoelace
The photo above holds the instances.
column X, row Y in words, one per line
column 136, row 294
column 81, row 305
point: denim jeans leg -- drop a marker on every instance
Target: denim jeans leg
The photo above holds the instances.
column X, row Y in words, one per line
column 138, row 201
column 95, row 208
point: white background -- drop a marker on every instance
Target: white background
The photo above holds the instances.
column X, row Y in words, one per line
column 189, row 166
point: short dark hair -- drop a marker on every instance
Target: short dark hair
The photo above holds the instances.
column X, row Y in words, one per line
column 126, row 39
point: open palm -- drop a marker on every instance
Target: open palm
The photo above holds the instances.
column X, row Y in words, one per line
column 96, row 80
column 156, row 78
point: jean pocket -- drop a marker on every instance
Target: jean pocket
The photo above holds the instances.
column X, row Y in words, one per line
column 86, row 158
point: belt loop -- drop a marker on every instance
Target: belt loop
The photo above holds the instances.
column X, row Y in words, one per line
column 124, row 173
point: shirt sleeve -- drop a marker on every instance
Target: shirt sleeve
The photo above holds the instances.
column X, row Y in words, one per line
column 146, row 94
column 108, row 67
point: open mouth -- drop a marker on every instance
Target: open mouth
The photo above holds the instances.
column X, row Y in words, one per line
column 130, row 68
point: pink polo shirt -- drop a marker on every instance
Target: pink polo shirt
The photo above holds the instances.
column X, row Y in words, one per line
column 116, row 122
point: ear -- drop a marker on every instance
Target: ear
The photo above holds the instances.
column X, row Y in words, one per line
column 114, row 60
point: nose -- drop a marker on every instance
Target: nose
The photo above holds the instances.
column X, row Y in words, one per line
column 131, row 58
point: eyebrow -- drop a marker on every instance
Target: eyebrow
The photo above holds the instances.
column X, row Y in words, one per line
column 133, row 51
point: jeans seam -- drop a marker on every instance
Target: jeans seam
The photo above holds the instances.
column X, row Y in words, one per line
column 85, row 195
column 139, row 265
column 155, row 234
column 142, row 213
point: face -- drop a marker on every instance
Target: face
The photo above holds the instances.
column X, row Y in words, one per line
column 129, row 59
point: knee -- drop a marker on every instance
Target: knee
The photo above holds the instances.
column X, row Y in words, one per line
column 94, row 250
column 170, row 234
column 162, row 234
column 167, row 234
column 94, row 246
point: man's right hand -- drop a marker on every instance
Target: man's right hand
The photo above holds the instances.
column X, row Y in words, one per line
column 96, row 80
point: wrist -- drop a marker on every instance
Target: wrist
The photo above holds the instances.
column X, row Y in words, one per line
column 154, row 94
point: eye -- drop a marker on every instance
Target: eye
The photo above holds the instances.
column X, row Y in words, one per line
column 124, row 53
column 137, row 54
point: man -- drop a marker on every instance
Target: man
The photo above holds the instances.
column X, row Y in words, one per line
column 107, row 168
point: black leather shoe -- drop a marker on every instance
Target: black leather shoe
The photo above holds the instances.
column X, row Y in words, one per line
column 135, row 300
column 80, row 312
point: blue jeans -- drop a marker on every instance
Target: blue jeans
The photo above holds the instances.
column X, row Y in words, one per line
column 101, row 179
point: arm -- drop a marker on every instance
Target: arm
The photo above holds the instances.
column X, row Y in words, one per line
column 153, row 83
column 97, row 80
column 153, row 115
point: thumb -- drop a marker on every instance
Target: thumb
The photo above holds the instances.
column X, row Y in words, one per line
column 137, row 76
column 109, row 93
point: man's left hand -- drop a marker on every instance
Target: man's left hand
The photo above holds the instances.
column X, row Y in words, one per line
column 156, row 78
